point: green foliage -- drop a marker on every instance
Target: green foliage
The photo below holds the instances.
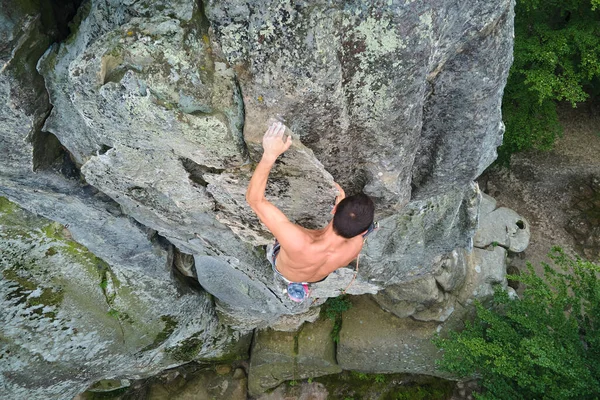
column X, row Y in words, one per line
column 421, row 393
column 335, row 306
column 556, row 58
column 360, row 375
column 545, row 345
column 333, row 309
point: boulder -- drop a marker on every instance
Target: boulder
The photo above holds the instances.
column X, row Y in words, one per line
column 406, row 299
column 281, row 356
column 161, row 109
column 375, row 341
column 452, row 272
column 503, row 227
column 486, row 269
column 488, row 204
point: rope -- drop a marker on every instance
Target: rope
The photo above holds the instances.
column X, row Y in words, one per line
column 354, row 277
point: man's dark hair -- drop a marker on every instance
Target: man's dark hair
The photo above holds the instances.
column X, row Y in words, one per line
column 353, row 215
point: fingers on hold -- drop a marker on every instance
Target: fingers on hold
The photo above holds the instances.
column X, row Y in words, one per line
column 279, row 129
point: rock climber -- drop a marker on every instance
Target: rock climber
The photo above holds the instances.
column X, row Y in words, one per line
column 301, row 256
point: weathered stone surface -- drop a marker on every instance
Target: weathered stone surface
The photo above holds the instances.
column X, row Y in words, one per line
column 408, row 244
column 406, row 299
column 280, row 356
column 375, row 341
column 207, row 385
column 488, row 204
column 457, row 278
column 452, row 271
column 147, row 104
column 156, row 118
column 485, row 269
column 70, row 311
column 503, row 227
column 148, row 90
column 336, row 72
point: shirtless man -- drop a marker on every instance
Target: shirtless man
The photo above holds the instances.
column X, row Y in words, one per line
column 301, row 255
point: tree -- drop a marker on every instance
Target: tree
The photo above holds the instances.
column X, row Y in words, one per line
column 544, row 345
column 556, row 58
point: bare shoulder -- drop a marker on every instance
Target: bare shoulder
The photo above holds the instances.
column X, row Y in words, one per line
column 293, row 237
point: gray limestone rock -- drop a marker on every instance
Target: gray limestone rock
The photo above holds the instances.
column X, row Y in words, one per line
column 409, row 244
column 457, row 118
column 503, row 227
column 374, row 341
column 70, row 313
column 381, row 92
column 485, row 270
column 452, row 271
column 406, row 299
column 206, row 385
column 162, row 110
column 141, row 132
column 488, row 204
column 160, row 118
column 280, row 356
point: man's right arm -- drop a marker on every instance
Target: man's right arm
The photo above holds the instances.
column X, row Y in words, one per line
column 288, row 234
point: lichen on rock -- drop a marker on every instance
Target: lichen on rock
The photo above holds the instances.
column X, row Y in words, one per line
column 68, row 308
column 143, row 127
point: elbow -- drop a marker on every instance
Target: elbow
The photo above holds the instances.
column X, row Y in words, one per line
column 251, row 200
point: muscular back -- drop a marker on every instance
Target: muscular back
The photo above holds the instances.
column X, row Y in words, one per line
column 322, row 253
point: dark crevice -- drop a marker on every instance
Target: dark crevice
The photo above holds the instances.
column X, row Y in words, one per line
column 48, row 153
column 196, row 171
column 46, row 148
column 513, row 270
column 186, row 284
column 204, row 22
column 64, row 12
column 237, row 93
column 439, row 286
column 116, row 74
column 492, row 246
column 183, row 270
column 103, row 149
column 520, row 224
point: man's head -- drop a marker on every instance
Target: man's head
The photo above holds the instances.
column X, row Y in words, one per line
column 353, row 215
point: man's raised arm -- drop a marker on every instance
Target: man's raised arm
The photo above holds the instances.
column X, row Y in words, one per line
column 288, row 234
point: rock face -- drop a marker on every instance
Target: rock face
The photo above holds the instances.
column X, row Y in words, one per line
column 383, row 92
column 68, row 312
column 282, row 356
column 462, row 275
column 373, row 341
column 141, row 129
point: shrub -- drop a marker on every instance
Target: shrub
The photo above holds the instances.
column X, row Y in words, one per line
column 545, row 345
column 333, row 309
column 556, row 58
